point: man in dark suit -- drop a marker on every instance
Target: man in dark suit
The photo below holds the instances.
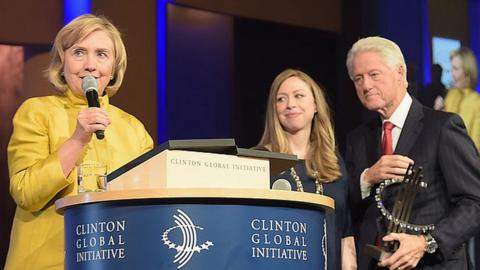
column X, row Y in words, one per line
column 411, row 133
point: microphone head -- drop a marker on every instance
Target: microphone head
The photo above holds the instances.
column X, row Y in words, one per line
column 89, row 83
column 282, row 184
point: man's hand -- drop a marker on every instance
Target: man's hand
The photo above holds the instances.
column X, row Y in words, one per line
column 411, row 250
column 387, row 167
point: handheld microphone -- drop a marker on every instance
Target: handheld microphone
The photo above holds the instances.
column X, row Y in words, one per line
column 89, row 86
column 282, row 184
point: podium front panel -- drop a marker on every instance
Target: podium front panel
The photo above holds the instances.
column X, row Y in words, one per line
column 153, row 234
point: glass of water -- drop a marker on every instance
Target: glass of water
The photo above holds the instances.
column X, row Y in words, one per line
column 92, row 177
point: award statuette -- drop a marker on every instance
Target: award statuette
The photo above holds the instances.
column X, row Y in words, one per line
column 398, row 219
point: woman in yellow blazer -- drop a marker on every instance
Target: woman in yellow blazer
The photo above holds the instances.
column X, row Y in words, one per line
column 53, row 134
column 463, row 99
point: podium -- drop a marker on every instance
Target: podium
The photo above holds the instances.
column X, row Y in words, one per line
column 177, row 207
column 195, row 229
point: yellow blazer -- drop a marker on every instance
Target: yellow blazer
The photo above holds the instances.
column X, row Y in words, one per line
column 40, row 126
column 466, row 103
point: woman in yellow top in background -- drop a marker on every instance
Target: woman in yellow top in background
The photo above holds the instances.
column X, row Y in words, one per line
column 463, row 99
column 53, row 134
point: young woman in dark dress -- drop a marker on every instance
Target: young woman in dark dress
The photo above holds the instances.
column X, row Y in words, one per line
column 298, row 122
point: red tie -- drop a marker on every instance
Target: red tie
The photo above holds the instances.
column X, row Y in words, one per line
column 387, row 142
column 387, row 149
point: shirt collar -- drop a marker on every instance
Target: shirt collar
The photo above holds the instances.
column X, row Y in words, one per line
column 80, row 100
column 400, row 114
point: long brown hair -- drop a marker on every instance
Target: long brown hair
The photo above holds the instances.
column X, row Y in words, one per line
column 322, row 161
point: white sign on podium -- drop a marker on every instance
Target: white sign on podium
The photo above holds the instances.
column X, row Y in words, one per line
column 216, row 163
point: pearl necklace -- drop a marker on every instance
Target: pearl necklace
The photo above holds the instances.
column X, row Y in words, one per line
column 296, row 178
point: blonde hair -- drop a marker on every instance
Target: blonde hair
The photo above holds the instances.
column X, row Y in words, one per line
column 323, row 161
column 387, row 49
column 469, row 65
column 76, row 31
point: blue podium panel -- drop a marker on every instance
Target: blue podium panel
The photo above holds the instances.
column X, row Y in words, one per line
column 154, row 235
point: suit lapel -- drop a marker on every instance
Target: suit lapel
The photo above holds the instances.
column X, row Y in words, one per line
column 411, row 129
column 373, row 141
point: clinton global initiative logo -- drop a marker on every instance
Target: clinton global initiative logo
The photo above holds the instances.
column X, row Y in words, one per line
column 186, row 245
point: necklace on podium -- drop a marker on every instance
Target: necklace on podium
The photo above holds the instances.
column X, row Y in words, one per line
column 298, row 182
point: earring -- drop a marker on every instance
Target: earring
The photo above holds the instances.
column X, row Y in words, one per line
column 62, row 74
column 111, row 77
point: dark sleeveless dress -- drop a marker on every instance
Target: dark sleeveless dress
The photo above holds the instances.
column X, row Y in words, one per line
column 339, row 222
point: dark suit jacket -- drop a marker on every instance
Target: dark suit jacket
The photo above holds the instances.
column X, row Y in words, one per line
column 438, row 142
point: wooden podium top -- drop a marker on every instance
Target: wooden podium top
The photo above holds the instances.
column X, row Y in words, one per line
column 310, row 199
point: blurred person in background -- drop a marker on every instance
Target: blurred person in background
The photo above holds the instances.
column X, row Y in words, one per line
column 462, row 99
column 434, row 90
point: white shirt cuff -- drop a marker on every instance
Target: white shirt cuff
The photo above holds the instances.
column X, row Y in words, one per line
column 365, row 188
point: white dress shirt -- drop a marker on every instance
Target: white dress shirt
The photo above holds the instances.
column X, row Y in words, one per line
column 398, row 119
